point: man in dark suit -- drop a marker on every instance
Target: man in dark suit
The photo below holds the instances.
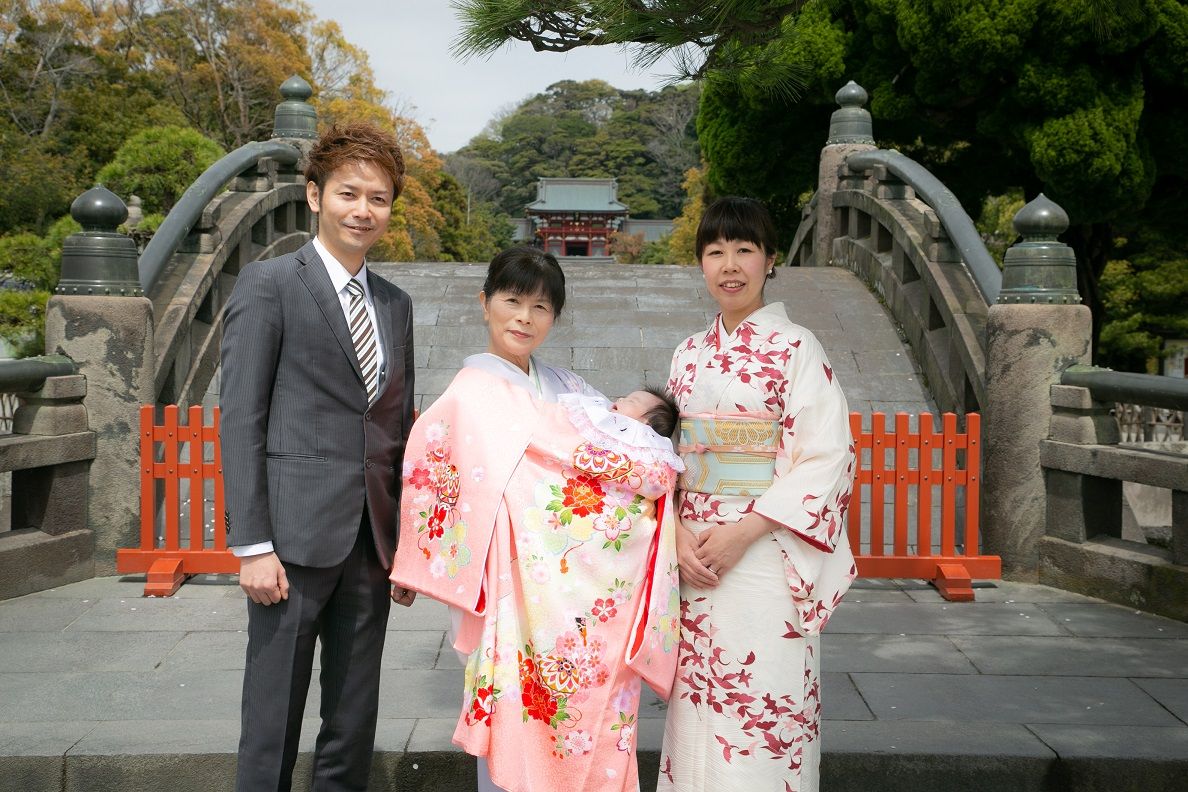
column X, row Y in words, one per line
column 316, row 400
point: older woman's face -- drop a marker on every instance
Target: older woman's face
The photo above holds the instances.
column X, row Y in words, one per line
column 517, row 324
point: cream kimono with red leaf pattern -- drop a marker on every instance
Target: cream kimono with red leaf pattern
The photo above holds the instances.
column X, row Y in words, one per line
column 562, row 554
column 745, row 708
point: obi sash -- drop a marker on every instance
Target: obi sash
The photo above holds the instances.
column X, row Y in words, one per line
column 728, row 454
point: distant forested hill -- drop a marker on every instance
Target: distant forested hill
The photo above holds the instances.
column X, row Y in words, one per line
column 647, row 140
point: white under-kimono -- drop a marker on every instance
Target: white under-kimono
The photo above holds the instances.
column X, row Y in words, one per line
column 745, row 709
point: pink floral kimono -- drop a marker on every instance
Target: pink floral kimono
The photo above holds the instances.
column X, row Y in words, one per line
column 561, row 552
column 746, row 703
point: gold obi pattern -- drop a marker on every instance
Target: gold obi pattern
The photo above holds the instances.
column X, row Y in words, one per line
column 728, row 455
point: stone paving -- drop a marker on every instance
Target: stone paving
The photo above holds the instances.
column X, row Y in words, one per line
column 1028, row 688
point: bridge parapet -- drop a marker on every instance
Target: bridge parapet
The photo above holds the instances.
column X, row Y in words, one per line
column 895, row 225
column 49, row 455
column 1086, row 467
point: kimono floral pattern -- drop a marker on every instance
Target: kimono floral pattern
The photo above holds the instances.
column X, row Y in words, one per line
column 747, row 693
column 441, row 532
column 548, row 676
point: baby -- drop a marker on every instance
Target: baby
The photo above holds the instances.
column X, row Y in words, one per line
column 643, row 420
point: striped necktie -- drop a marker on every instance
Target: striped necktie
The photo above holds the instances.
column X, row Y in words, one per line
column 363, row 336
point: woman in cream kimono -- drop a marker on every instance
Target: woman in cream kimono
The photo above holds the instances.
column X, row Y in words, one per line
column 762, row 552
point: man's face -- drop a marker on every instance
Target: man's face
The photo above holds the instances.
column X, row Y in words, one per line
column 353, row 210
column 636, row 404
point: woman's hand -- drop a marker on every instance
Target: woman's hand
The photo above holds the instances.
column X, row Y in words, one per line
column 692, row 570
column 722, row 546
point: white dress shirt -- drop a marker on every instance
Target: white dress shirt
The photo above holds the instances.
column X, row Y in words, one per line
column 340, row 277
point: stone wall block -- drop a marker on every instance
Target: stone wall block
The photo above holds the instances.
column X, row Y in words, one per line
column 111, row 340
column 1028, row 346
column 55, row 409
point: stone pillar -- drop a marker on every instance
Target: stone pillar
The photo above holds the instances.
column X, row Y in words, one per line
column 849, row 131
column 100, row 318
column 1036, row 331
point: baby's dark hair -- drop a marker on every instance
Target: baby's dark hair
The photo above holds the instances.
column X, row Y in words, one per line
column 664, row 416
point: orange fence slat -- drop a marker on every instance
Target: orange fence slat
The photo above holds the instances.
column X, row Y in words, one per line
column 973, row 482
column 924, row 491
column 878, row 463
column 948, row 485
column 197, row 450
column 903, row 442
column 148, row 483
column 855, row 516
column 220, row 525
column 172, row 490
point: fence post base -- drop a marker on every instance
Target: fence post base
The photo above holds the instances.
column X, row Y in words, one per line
column 165, row 577
column 954, row 583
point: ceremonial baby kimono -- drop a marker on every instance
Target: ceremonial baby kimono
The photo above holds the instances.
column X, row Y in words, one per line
column 764, row 428
column 561, row 551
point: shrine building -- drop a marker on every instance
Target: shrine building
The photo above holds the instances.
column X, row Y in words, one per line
column 575, row 217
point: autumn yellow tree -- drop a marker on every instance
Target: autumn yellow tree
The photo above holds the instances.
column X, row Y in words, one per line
column 347, row 90
column 682, row 244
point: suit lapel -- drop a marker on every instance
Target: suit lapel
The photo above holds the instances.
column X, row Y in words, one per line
column 381, row 300
column 313, row 274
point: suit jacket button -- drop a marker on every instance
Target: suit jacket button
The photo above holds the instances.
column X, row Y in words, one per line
column 366, row 416
column 369, row 463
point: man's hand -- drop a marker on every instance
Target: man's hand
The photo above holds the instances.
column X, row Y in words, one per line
column 262, row 577
column 693, row 571
column 403, row 596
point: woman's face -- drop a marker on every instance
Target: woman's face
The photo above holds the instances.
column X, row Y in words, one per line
column 517, row 324
column 735, row 272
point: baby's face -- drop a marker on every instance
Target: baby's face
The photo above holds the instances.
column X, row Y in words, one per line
column 635, row 404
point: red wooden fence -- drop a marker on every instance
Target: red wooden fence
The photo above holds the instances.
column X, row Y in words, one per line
column 898, row 462
column 902, row 463
column 179, row 555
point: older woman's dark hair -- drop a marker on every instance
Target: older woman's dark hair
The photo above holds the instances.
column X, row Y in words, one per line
column 664, row 416
column 736, row 219
column 527, row 271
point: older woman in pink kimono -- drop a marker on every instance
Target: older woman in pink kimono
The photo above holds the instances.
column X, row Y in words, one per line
column 763, row 560
column 553, row 542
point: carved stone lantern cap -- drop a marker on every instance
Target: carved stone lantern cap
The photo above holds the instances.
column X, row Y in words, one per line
column 296, row 89
column 99, row 210
column 99, row 261
column 295, row 117
column 1040, row 269
column 851, row 95
column 1041, row 219
column 851, row 122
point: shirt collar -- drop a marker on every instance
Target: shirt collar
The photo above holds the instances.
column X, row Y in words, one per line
column 339, row 276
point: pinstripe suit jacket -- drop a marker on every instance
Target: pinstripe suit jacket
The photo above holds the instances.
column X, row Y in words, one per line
column 302, row 448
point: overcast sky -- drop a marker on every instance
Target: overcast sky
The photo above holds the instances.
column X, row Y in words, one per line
column 409, row 44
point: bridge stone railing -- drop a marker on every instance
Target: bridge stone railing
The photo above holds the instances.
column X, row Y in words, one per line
column 986, row 340
column 48, row 454
column 145, row 329
column 1086, row 468
column 896, row 226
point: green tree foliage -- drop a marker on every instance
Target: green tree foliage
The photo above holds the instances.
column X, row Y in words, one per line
column 158, row 164
column 29, row 268
column 587, row 129
column 1084, row 100
column 473, row 231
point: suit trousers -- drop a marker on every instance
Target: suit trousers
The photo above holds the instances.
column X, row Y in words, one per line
column 346, row 607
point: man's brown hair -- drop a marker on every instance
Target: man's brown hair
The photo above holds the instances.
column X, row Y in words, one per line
column 356, row 142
